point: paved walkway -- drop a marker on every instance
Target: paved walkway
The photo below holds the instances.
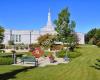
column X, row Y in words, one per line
column 43, row 62
column 46, row 61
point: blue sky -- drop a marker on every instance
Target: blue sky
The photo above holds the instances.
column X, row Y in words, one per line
column 32, row 14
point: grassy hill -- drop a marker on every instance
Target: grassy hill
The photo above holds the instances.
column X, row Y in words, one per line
column 79, row 68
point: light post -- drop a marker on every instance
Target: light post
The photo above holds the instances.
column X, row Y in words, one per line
column 14, row 55
column 31, row 36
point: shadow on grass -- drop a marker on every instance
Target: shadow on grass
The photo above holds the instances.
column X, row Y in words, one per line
column 96, row 64
column 12, row 74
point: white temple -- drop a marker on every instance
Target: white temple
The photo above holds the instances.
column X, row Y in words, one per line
column 30, row 36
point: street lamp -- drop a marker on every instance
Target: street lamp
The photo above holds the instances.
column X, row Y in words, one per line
column 30, row 36
column 14, row 56
column 14, row 53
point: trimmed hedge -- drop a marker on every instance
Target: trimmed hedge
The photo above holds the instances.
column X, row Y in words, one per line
column 47, row 53
column 6, row 61
column 73, row 54
column 5, row 55
column 63, row 53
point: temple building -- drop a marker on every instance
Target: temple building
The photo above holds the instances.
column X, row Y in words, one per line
column 30, row 36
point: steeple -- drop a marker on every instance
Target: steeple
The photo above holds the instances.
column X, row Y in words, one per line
column 49, row 28
column 49, row 18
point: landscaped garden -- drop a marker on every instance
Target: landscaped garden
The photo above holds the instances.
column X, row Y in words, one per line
column 80, row 68
column 58, row 56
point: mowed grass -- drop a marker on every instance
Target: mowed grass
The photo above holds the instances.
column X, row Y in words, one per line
column 79, row 68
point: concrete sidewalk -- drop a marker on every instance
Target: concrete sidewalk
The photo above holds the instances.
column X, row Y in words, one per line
column 42, row 62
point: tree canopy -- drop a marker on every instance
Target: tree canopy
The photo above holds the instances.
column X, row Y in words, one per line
column 93, row 36
column 65, row 27
column 90, row 35
column 46, row 40
column 1, row 34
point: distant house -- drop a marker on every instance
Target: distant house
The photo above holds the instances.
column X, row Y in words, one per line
column 30, row 36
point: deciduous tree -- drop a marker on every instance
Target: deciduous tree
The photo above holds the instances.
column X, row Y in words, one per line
column 65, row 27
column 1, row 34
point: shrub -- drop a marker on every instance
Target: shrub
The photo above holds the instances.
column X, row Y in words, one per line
column 61, row 53
column 13, row 51
column 2, row 46
column 46, row 53
column 2, row 51
column 73, row 54
column 24, row 53
column 31, row 49
column 5, row 61
column 57, row 47
column 32, row 46
column 11, row 42
column 71, row 48
column 9, row 55
column 98, row 44
column 5, row 55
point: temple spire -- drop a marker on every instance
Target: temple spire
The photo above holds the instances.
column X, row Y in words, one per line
column 49, row 18
column 49, row 28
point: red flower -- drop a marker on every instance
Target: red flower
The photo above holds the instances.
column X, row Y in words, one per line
column 38, row 52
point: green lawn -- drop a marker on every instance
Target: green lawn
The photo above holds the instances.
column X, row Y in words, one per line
column 78, row 69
